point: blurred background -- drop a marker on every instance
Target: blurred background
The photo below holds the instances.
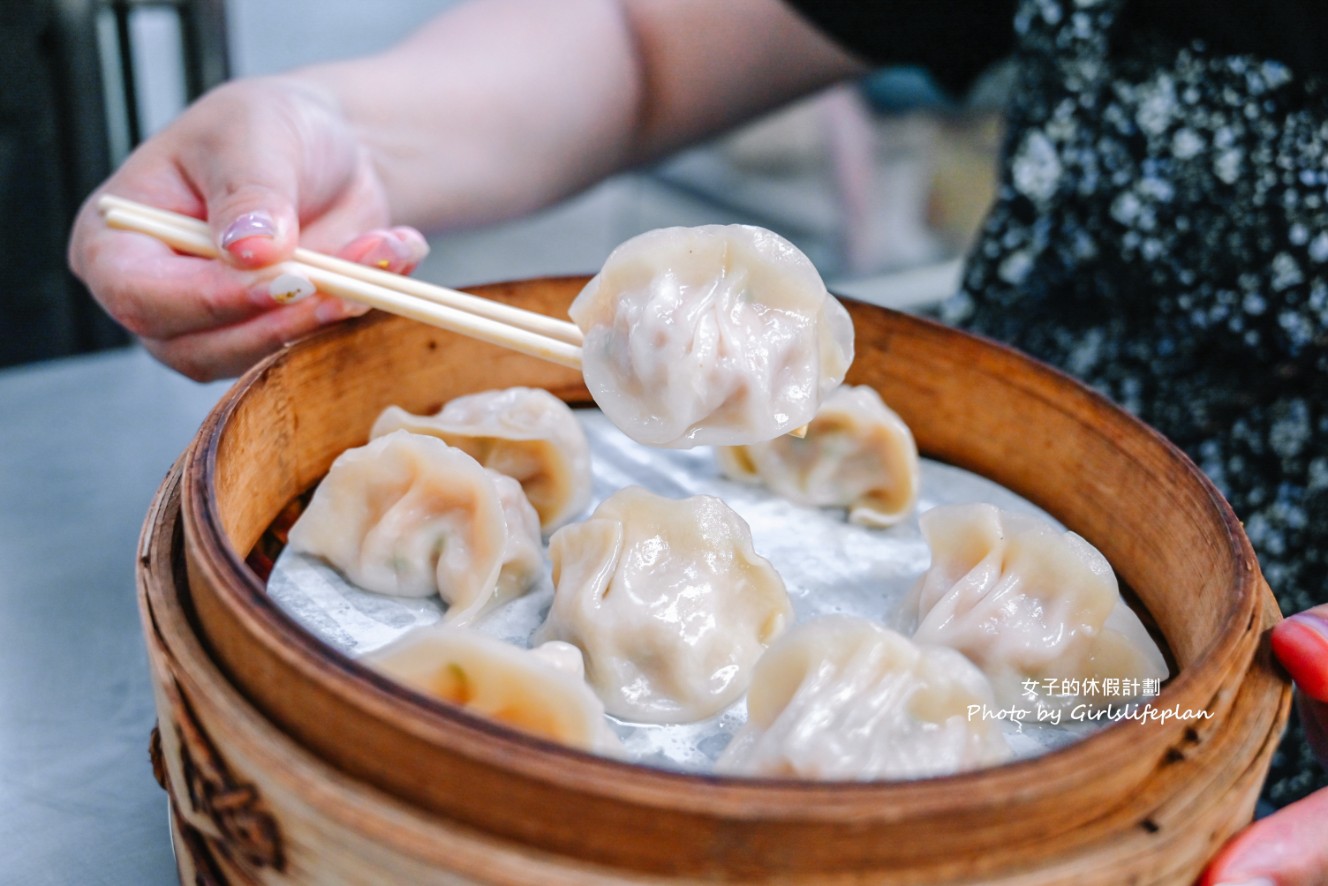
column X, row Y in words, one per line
column 882, row 183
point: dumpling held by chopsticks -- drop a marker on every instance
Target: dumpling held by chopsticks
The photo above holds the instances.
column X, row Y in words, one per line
column 719, row 334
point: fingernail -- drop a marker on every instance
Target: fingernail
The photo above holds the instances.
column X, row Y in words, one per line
column 1257, row 881
column 386, row 254
column 397, row 250
column 354, row 309
column 286, row 289
column 251, row 224
column 417, row 247
column 1311, row 620
column 1301, row 645
column 335, row 309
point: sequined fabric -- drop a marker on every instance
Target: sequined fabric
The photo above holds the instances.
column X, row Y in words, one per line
column 1161, row 231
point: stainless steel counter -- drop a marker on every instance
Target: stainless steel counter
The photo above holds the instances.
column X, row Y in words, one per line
column 84, row 443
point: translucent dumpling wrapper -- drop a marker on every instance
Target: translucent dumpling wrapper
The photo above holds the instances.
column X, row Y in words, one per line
column 526, row 433
column 843, row 698
column 857, row 454
column 1037, row 608
column 409, row 515
column 719, row 334
column 669, row 602
column 540, row 691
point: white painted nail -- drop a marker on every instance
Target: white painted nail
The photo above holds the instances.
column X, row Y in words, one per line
column 286, row 289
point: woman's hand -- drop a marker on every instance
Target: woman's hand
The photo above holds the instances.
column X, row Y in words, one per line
column 489, row 111
column 268, row 163
column 1290, row 847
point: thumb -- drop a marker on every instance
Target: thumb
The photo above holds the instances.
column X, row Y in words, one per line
column 265, row 152
column 246, row 165
column 254, row 221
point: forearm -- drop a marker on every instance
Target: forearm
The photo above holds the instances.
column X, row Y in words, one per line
column 501, row 106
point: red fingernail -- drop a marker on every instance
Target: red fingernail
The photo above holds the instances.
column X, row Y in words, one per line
column 1312, row 620
column 1301, row 645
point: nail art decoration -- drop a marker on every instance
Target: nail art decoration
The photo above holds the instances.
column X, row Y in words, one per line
column 287, row 289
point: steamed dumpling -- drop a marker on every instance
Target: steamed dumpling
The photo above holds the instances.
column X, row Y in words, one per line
column 842, row 698
column 1028, row 603
column 409, row 515
column 669, row 602
column 719, row 334
column 541, row 691
column 526, row 433
column 857, row 454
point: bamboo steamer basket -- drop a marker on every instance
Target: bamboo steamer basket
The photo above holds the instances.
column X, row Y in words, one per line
column 288, row 762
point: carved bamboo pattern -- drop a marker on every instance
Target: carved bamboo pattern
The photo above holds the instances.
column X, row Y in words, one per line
column 245, row 832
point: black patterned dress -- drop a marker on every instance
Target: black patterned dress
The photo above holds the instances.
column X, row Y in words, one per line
column 1161, row 232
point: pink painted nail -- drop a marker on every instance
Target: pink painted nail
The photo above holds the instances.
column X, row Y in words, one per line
column 251, row 224
column 386, row 253
column 397, row 250
column 417, row 247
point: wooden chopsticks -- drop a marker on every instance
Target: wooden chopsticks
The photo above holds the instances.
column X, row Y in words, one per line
column 528, row 332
